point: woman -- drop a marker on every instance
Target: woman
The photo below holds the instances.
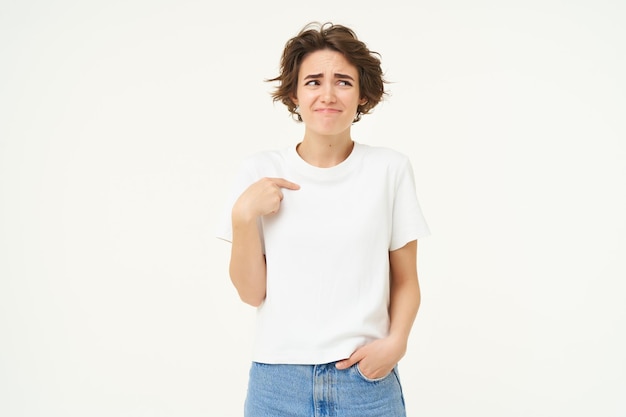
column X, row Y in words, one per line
column 324, row 243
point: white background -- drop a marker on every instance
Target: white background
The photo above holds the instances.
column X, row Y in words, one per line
column 122, row 123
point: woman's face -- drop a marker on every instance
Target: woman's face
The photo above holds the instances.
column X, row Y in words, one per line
column 327, row 92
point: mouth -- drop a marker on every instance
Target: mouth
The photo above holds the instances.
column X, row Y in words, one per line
column 327, row 111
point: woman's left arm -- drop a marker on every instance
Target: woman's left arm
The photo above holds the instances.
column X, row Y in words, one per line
column 405, row 293
column 378, row 358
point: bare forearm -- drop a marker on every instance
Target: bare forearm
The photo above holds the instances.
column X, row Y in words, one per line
column 247, row 263
column 404, row 304
column 405, row 294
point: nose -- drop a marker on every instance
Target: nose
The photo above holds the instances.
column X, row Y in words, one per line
column 328, row 93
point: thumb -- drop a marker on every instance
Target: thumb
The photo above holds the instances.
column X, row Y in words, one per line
column 347, row 363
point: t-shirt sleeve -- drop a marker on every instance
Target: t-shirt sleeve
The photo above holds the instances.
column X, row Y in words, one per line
column 408, row 222
column 243, row 179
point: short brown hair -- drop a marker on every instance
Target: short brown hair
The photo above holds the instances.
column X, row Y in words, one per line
column 314, row 37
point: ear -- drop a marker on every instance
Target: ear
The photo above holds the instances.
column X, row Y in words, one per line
column 363, row 101
column 294, row 99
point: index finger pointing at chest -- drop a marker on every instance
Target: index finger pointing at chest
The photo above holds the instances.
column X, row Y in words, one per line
column 283, row 183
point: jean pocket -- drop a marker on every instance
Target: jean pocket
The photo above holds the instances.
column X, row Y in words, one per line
column 358, row 371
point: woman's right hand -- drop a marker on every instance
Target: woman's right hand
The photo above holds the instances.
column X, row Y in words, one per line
column 262, row 198
column 247, row 261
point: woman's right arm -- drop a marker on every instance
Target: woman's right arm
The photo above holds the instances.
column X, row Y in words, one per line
column 247, row 261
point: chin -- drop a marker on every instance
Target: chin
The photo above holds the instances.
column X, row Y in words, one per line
column 331, row 130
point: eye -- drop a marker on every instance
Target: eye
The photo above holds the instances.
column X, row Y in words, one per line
column 345, row 83
column 312, row 82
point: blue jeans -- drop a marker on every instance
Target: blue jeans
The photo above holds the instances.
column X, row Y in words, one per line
column 321, row 391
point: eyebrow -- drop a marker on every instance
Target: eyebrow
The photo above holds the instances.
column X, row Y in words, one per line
column 320, row 75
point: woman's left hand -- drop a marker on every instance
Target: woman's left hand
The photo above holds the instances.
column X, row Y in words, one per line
column 377, row 358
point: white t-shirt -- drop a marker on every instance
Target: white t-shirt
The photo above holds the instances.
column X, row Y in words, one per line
column 327, row 251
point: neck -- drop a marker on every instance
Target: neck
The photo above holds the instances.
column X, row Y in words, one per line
column 325, row 151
